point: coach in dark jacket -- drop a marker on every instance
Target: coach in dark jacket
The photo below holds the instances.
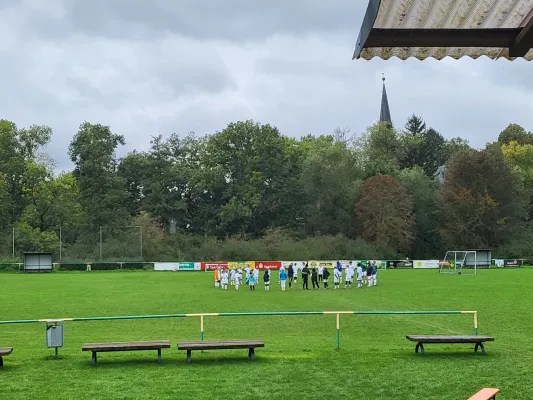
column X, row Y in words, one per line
column 305, row 277
column 290, row 274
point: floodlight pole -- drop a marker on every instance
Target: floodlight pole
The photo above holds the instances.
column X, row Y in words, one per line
column 100, row 243
column 141, row 241
column 60, row 243
column 13, row 242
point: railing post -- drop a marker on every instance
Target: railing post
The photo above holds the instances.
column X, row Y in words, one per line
column 338, row 331
column 201, row 327
column 475, row 324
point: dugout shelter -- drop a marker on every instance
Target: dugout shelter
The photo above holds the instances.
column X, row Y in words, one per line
column 38, row 262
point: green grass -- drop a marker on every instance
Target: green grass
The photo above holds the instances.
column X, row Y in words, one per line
column 299, row 360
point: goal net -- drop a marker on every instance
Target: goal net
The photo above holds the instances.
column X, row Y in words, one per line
column 459, row 262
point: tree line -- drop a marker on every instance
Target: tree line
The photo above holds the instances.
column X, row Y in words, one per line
column 250, row 192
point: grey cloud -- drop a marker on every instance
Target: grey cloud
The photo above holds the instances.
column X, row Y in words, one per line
column 235, row 20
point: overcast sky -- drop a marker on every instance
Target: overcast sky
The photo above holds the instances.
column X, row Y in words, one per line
column 147, row 67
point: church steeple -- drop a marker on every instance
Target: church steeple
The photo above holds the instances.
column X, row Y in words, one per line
column 384, row 115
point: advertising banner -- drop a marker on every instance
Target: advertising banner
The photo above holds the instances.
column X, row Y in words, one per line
column 241, row 264
column 512, row 263
column 176, row 266
column 426, row 264
column 399, row 264
column 499, row 263
column 166, row 266
column 324, row 263
column 285, row 264
column 268, row 264
column 212, row 265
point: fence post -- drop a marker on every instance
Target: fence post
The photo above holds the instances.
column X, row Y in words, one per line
column 338, row 331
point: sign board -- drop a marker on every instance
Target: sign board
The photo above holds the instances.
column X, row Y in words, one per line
column 324, row 263
column 512, row 263
column 241, row 264
column 426, row 264
column 268, row 264
column 399, row 264
column 212, row 265
column 177, row 266
column 285, row 264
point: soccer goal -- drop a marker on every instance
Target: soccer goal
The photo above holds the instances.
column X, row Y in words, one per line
column 459, row 262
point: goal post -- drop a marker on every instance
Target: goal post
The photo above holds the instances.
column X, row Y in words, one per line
column 461, row 262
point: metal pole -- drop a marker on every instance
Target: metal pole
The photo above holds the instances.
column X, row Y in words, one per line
column 100, row 243
column 13, row 242
column 141, row 242
column 475, row 324
column 201, row 327
column 60, row 243
column 338, row 331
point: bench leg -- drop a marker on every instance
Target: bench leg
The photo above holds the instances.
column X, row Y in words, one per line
column 93, row 359
column 159, row 360
column 480, row 345
column 251, row 354
column 189, row 357
column 421, row 347
column 1, row 362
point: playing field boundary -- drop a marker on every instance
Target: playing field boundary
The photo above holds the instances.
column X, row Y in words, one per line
column 202, row 316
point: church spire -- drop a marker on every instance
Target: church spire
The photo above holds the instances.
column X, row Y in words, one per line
column 384, row 115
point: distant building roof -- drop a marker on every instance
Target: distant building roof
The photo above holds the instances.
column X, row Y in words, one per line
column 439, row 174
column 454, row 28
column 384, row 115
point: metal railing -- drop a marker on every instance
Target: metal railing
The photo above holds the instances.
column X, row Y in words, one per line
column 202, row 316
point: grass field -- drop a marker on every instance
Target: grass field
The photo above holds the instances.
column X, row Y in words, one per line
column 299, row 360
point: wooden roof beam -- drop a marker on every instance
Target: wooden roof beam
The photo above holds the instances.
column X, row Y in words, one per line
column 524, row 40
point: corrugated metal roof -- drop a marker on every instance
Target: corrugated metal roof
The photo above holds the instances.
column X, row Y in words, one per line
column 448, row 14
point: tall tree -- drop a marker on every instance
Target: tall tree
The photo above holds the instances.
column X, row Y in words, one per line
column 415, row 126
column 480, row 202
column 385, row 213
column 250, row 166
column 520, row 158
column 516, row 133
column 422, row 147
column 102, row 191
column 132, row 169
column 330, row 179
column 457, row 146
column 422, row 189
column 379, row 150
column 17, row 147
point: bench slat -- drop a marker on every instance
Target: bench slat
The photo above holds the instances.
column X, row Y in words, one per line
column 220, row 344
column 126, row 346
column 485, row 394
column 5, row 351
column 449, row 339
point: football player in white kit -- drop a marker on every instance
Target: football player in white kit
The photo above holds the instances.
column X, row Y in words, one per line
column 238, row 279
column 359, row 275
column 337, row 277
column 224, row 279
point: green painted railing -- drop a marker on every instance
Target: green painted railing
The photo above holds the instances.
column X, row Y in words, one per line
column 247, row 314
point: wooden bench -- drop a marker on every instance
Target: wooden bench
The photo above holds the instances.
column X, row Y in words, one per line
column 126, row 346
column 221, row 345
column 485, row 394
column 4, row 351
column 436, row 339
